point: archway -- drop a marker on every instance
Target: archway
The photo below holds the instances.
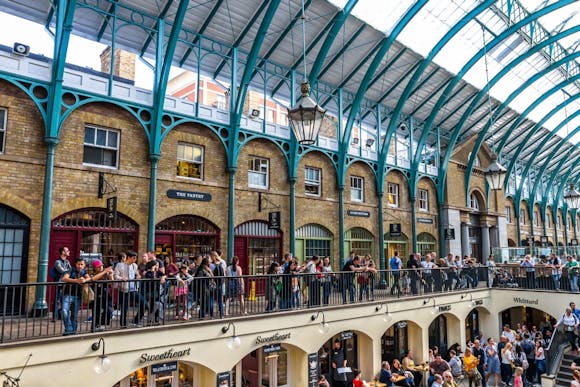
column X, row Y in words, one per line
column 166, row 374
column 425, row 243
column 518, row 316
column 272, row 365
column 359, row 241
column 14, row 239
column 257, row 246
column 182, row 236
column 399, row 338
column 312, row 239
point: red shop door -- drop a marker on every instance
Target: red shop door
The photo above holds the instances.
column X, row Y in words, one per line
column 60, row 239
column 241, row 251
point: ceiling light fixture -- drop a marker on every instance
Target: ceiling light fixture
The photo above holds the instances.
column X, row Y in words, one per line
column 306, row 116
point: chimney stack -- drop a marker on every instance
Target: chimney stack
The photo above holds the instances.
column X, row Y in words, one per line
column 124, row 63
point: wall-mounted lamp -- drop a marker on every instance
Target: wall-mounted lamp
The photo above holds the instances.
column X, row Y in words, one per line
column 472, row 301
column 103, row 363
column 434, row 310
column 354, row 141
column 323, row 327
column 234, row 341
column 370, row 142
column 387, row 315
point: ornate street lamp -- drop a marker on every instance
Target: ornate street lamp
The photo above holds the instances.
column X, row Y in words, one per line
column 306, row 117
column 572, row 198
column 495, row 173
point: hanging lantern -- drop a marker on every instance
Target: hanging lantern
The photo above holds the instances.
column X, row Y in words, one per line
column 572, row 198
column 495, row 173
column 306, row 117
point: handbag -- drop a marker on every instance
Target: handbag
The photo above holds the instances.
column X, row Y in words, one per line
column 88, row 294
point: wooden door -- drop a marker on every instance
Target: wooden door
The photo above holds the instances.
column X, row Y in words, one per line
column 241, row 251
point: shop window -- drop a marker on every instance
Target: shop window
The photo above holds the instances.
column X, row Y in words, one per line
column 476, row 162
column 189, row 160
column 393, row 194
column 423, row 200
column 101, row 147
column 258, row 172
column 473, row 202
column 313, row 239
column 275, row 363
column 319, row 247
column 508, row 214
column 312, row 181
column 357, row 189
column 425, row 243
column 522, row 217
column 2, row 129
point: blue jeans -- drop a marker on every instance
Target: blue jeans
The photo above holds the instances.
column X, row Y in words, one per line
column 326, row 288
column 347, row 284
column 70, row 310
column 556, row 278
column 573, row 283
column 295, row 299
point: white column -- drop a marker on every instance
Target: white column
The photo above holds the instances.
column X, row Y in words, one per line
column 485, row 244
column 465, row 250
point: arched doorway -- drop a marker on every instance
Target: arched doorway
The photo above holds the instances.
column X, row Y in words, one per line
column 426, row 243
column 182, row 236
column 312, row 239
column 91, row 233
column 344, row 345
column 359, row 241
column 396, row 243
column 268, row 366
column 530, row 317
column 395, row 341
column 438, row 334
column 14, row 238
column 257, row 246
column 472, row 325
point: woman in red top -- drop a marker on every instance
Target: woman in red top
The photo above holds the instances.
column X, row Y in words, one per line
column 357, row 381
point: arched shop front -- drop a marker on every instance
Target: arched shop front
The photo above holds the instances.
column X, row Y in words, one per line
column 312, row 239
column 438, row 334
column 344, row 345
column 359, row 241
column 165, row 374
column 183, row 236
column 94, row 233
column 472, row 325
column 526, row 315
column 426, row 243
column 257, row 246
column 14, row 238
column 396, row 243
column 272, row 365
column 395, row 341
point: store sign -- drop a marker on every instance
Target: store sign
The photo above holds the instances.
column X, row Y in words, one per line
column 395, row 229
column 425, row 220
column 401, row 324
column 274, row 220
column 530, row 240
column 574, row 242
column 164, row 367
column 188, row 195
column 449, row 234
column 272, row 348
column 312, row 369
column 169, row 354
column 223, row 379
column 275, row 337
column 362, row 214
column 112, row 208
column 346, row 335
column 525, row 301
column 544, row 239
column 445, row 308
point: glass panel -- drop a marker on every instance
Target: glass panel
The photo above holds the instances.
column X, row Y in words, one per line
column 197, row 154
column 112, row 139
column 9, row 235
column 109, row 158
column 92, row 155
column 89, row 135
column 2, row 141
column 262, row 252
column 16, row 264
column 320, row 247
column 101, row 137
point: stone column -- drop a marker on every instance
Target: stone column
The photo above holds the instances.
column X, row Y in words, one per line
column 464, row 239
column 485, row 243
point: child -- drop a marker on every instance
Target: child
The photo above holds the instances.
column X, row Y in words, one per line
column 518, row 382
column 406, row 282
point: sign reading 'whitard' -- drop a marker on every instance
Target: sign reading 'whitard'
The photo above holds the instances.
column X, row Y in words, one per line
column 519, row 300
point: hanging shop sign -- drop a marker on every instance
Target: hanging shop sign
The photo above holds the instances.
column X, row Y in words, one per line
column 274, row 220
column 346, row 335
column 544, row 239
column 223, row 379
column 272, row 348
column 164, row 367
column 362, row 214
column 395, row 229
column 402, row 324
column 425, row 220
column 449, row 234
column 188, row 195
column 574, row 242
column 112, row 208
column 312, row 369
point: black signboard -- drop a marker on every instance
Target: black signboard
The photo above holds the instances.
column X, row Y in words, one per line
column 188, row 195
column 574, row 242
column 274, row 220
column 362, row 214
column 112, row 208
column 223, row 379
column 530, row 240
column 312, row 369
column 544, row 239
column 449, row 234
column 272, row 348
column 346, row 335
column 395, row 229
column 164, row 367
column 425, row 220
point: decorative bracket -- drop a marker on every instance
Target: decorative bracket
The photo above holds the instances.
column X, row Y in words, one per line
column 268, row 205
column 105, row 187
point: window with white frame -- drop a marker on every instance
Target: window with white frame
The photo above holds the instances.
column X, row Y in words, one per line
column 393, row 194
column 548, row 224
column 508, row 214
column 473, row 202
column 312, row 181
column 101, row 147
column 536, row 219
column 189, row 160
column 258, row 172
column 522, row 217
column 357, row 192
column 3, row 116
column 423, row 200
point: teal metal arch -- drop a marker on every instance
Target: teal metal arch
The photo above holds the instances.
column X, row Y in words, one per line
column 511, row 97
column 201, row 29
column 221, row 132
column 28, row 88
column 331, row 156
column 337, row 22
column 281, row 144
column 521, row 117
column 443, row 99
column 410, row 87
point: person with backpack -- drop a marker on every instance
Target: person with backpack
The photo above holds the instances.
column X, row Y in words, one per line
column 60, row 267
column 396, row 265
column 570, row 323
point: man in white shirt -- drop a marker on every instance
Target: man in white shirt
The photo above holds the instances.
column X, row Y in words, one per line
column 127, row 271
column 508, row 334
